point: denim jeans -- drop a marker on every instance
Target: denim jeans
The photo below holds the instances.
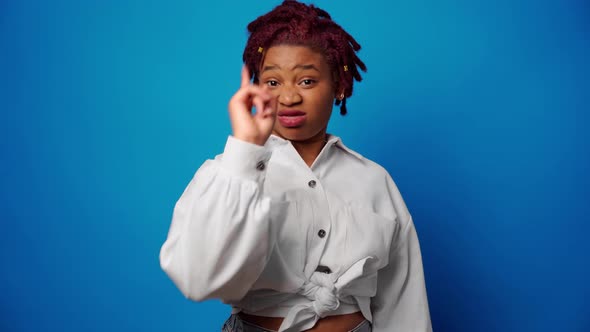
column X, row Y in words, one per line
column 235, row 324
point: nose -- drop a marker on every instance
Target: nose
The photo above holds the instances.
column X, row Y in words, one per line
column 289, row 96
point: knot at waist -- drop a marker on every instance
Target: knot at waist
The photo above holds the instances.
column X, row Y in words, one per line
column 320, row 290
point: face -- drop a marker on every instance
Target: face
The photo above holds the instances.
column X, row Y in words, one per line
column 301, row 80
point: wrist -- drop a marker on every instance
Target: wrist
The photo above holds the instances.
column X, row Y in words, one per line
column 245, row 160
column 251, row 139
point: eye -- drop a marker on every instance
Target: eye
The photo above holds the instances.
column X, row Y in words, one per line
column 307, row 82
column 272, row 83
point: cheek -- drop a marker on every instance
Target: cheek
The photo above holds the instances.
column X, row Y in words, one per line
column 326, row 104
column 275, row 92
column 323, row 111
column 323, row 102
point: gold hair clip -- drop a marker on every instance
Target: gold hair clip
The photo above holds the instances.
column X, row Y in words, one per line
column 345, row 68
column 260, row 49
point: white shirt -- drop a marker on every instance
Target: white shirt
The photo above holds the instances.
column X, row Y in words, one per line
column 254, row 225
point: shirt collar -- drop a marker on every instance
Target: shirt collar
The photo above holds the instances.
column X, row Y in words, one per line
column 275, row 141
column 338, row 142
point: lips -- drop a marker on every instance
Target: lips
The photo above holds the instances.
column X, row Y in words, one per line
column 291, row 118
column 290, row 113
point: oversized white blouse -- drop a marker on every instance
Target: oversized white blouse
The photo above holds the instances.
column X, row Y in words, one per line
column 260, row 230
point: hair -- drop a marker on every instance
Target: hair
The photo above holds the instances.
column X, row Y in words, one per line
column 295, row 23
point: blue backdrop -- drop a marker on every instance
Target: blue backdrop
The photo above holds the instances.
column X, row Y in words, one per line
column 478, row 109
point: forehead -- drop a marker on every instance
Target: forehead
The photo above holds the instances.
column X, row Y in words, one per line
column 287, row 57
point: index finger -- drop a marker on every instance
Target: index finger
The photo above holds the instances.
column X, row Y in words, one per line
column 245, row 76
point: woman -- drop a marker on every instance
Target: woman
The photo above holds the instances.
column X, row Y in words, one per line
column 292, row 228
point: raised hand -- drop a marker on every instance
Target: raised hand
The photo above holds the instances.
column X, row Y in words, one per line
column 254, row 128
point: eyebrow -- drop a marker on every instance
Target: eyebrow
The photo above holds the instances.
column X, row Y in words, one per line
column 306, row 67
column 303, row 67
column 267, row 68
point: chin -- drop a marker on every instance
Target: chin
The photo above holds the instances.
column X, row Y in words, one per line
column 296, row 137
column 290, row 134
column 295, row 134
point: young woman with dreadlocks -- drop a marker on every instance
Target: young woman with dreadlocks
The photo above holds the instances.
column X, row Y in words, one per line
column 292, row 228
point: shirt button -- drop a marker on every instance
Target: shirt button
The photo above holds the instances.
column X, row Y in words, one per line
column 322, row 233
column 311, row 184
column 323, row 269
column 260, row 166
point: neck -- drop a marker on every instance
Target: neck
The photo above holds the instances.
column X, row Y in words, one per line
column 310, row 148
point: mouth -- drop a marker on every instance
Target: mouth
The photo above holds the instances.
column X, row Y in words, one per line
column 290, row 113
column 291, row 118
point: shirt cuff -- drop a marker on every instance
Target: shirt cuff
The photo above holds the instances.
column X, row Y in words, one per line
column 245, row 160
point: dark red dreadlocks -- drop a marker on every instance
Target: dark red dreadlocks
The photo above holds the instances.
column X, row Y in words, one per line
column 296, row 23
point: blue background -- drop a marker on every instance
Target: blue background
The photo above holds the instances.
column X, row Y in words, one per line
column 478, row 109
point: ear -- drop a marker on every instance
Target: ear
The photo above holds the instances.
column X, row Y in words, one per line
column 338, row 90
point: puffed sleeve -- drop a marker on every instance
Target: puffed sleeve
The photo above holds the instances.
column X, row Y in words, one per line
column 401, row 304
column 220, row 238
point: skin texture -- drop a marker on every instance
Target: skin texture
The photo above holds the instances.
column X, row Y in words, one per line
column 291, row 78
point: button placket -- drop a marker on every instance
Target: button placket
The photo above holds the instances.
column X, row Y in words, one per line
column 321, row 225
